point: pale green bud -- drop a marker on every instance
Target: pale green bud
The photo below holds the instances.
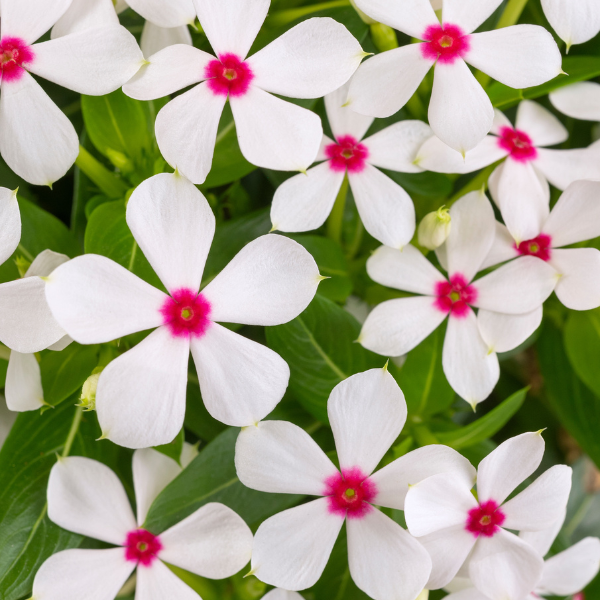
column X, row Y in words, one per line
column 88, row 391
column 122, row 162
column 384, row 37
column 434, row 229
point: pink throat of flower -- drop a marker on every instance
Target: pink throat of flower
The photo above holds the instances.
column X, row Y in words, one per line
column 445, row 43
column 186, row 313
column 142, row 547
column 15, row 56
column 517, row 143
column 229, row 75
column 349, row 493
column 485, row 519
column 454, row 296
column 347, row 153
column 541, row 246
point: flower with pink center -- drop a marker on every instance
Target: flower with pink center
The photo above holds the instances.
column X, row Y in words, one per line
column 15, row 57
column 309, row 61
column 87, row 498
column 443, row 514
column 517, row 143
column 470, row 364
column 367, row 412
column 140, row 399
column 540, row 246
column 460, row 112
column 304, row 201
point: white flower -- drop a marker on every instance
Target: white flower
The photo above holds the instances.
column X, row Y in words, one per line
column 396, row 326
column 435, row 228
column 579, row 100
column 367, row 412
column 444, row 515
column 520, row 184
column 574, row 22
column 37, row 140
column 308, row 61
column 140, row 399
column 460, row 112
column 86, row 497
column 303, row 202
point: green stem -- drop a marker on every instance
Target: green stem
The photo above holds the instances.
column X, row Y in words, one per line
column 477, row 183
column 357, row 240
column 423, row 435
column 579, row 515
column 335, row 222
column 283, row 17
column 108, row 182
column 72, row 432
column 25, row 252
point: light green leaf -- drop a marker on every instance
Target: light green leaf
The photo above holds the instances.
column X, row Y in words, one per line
column 582, row 343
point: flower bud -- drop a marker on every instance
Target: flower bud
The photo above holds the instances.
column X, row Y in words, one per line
column 384, row 37
column 88, row 391
column 434, row 229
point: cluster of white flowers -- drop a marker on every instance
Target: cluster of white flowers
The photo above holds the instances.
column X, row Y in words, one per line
column 457, row 539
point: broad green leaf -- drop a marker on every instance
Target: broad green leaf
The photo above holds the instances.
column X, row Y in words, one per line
column 197, row 418
column 211, row 477
column 319, row 347
column 582, row 343
column 435, row 185
column 174, row 448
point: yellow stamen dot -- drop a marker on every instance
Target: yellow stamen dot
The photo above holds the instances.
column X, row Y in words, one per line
column 187, row 314
column 446, row 41
column 230, row 74
column 454, row 296
column 350, row 493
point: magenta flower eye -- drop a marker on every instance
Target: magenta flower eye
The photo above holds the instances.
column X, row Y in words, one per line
column 540, row 246
column 15, row 55
column 518, row 144
column 350, row 493
column 454, row 296
column 347, row 154
column 228, row 76
column 446, row 44
column 186, row 313
column 485, row 519
column 142, row 547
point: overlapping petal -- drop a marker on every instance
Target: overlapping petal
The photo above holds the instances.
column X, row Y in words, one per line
column 30, row 19
column 85, row 15
column 155, row 38
column 177, row 12
column 540, row 124
column 411, row 17
column 23, row 388
column 579, row 285
column 10, row 217
column 502, row 332
column 574, row 23
column 580, row 100
column 468, row 14
column 342, row 119
column 158, row 582
column 564, row 167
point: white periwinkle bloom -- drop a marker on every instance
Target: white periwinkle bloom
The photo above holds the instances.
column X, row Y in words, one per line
column 579, row 100
column 308, row 61
column 455, row 527
column 86, row 497
column 37, row 141
column 367, row 412
column 396, row 326
column 304, row 202
column 140, row 399
column 520, row 183
column 574, row 22
column 460, row 112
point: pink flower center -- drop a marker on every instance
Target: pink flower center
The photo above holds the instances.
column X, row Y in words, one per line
column 15, row 54
column 518, row 143
column 349, row 493
column 186, row 313
column 347, row 153
column 446, row 43
column 454, row 296
column 229, row 75
column 142, row 547
column 485, row 519
column 539, row 246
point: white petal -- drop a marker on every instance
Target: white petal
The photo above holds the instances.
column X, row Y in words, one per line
column 386, row 561
column 394, row 480
column 519, row 56
column 386, row 210
column 542, row 540
column 579, row 100
column 472, row 234
column 158, row 582
column 96, row 300
column 275, row 134
column 75, row 574
column 174, row 227
column 412, row 17
column 570, row 571
column 241, row 381
column 231, row 25
column 279, row 594
column 85, row 15
column 540, row 124
column 292, row 548
column 309, row 60
column 508, row 466
column 269, row 282
column 542, row 503
column 10, row 230
column 26, row 323
column 575, row 23
column 502, row 249
column 212, row 542
column 169, row 71
column 140, row 399
column 579, row 285
column 23, row 389
column 500, row 121
column 395, row 327
column 194, row 117
column 383, row 84
column 280, row 458
column 37, row 141
column 152, row 472
column 303, row 202
column 502, row 332
column 61, row 344
column 468, row 14
column 93, row 62
column 156, row 38
column 173, row 14
column 460, row 112
column 405, row 269
column 436, row 503
column 342, row 119
column 396, row 147
column 46, row 262
column 504, row 567
column 367, row 412
column 86, row 497
column 470, row 368
column 30, row 19
column 563, row 167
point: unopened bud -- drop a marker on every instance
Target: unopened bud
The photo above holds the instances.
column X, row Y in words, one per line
column 22, row 265
column 122, row 162
column 384, row 37
column 434, row 229
column 88, row 392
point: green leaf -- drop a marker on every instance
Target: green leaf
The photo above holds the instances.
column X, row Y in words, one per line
column 173, row 449
column 582, row 343
column 486, row 427
column 431, row 185
column 319, row 347
column 211, row 477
